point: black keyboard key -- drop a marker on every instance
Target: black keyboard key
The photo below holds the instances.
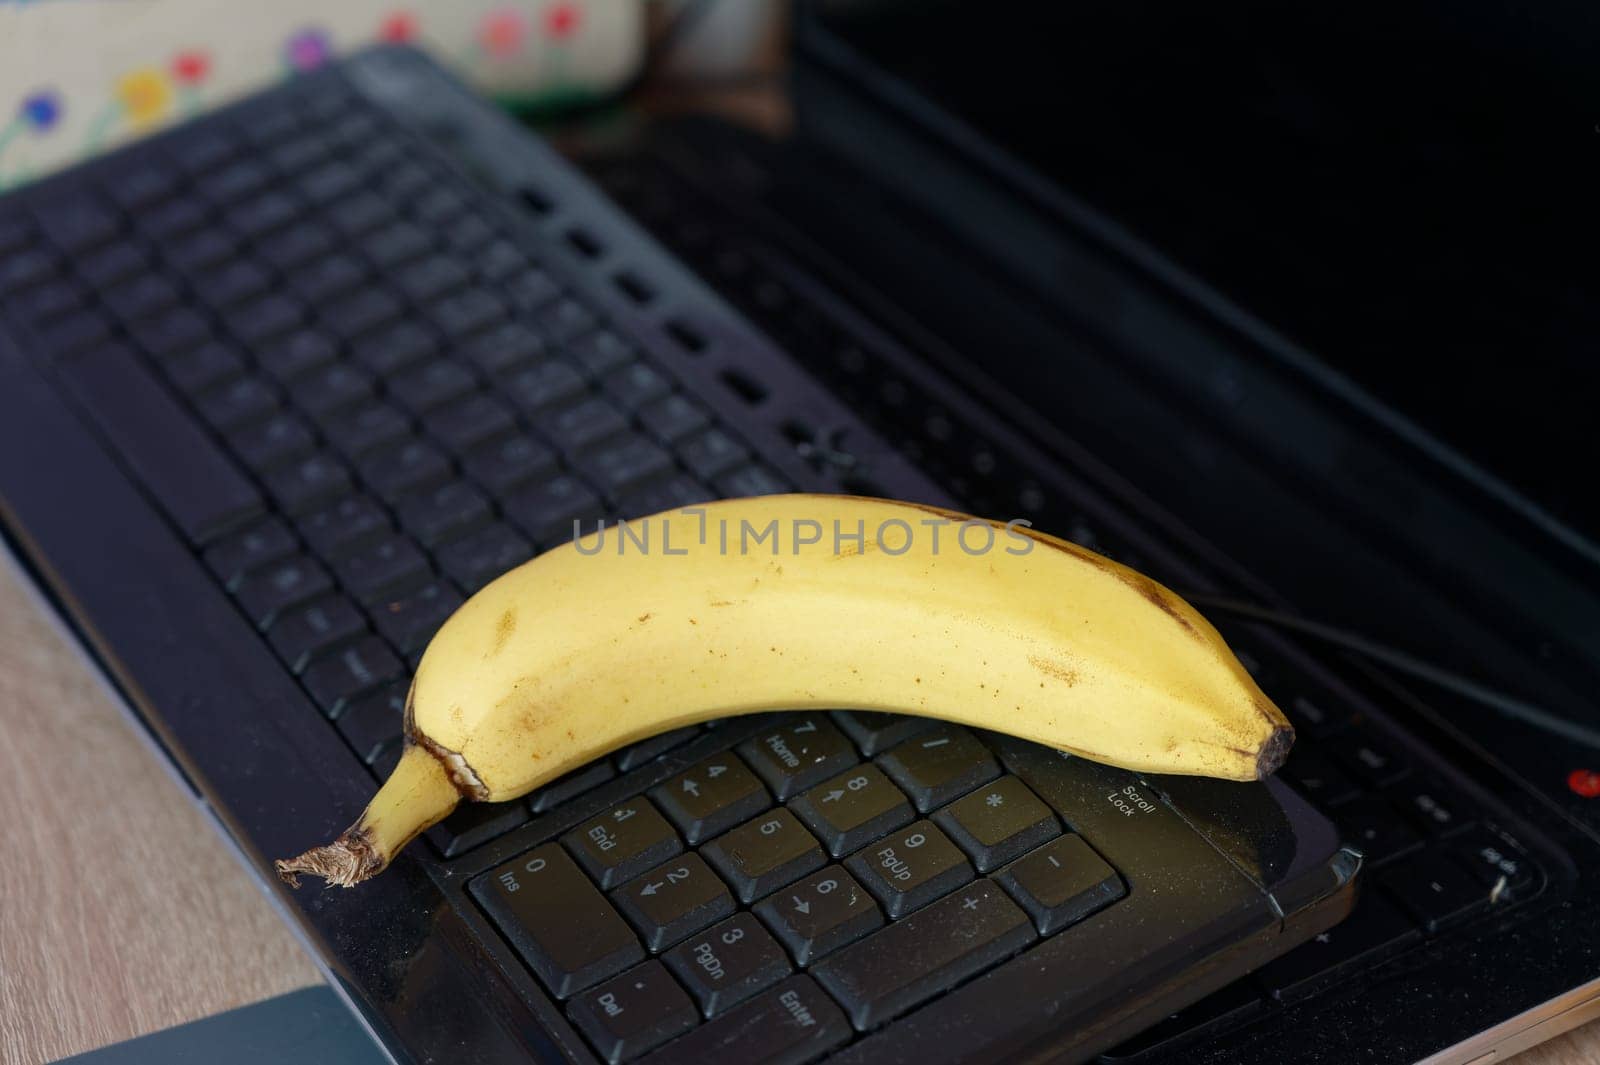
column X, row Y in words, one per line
column 374, row 723
column 764, row 854
column 170, row 332
column 478, row 558
column 238, row 403
column 327, row 278
column 469, row 421
column 582, row 424
column 75, row 333
column 143, row 298
column 388, row 351
column 365, row 428
column 1316, row 717
column 429, row 278
column 637, row 754
column 504, row 348
column 309, row 483
column 571, row 786
column 359, row 214
column 1492, row 856
column 402, row 467
column 1377, row 829
column 293, row 248
column 1373, row 932
column 1367, row 759
column 728, row 963
column 507, row 463
column 475, row 823
column 1436, row 893
column 1318, row 779
column 232, row 283
column 556, row 919
column 938, row 765
column 673, row 418
column 623, row 842
column 409, row 621
column 753, row 480
column 625, row 463
column 443, row 512
column 911, row 961
column 209, row 365
column 788, row 1025
column 77, row 224
column 544, row 384
column 391, row 565
column 853, row 809
column 257, row 217
column 338, row 678
column 360, row 312
column 498, row 261
column 267, row 445
column 140, row 187
column 348, row 525
column 467, row 312
column 264, row 319
column 439, row 205
column 328, row 390
column 711, row 797
column 396, row 244
column 631, row 387
column 634, row 1013
column 818, row 915
column 1061, row 883
column 671, row 494
column 875, row 732
column 911, row 868
column 25, row 268
column 107, row 267
column 998, row 822
column 432, row 384
column 172, row 219
column 51, row 300
column 799, row 752
column 329, row 181
column 303, row 633
column 1436, row 809
column 298, row 353
column 267, row 592
column 711, row 454
column 564, row 321
column 673, row 900
column 549, row 510
column 531, row 290
column 249, row 549
column 198, row 486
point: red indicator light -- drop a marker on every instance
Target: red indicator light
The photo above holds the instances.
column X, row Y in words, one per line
column 1585, row 782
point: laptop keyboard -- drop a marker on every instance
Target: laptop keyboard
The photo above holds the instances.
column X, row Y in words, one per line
column 360, row 400
column 1434, row 856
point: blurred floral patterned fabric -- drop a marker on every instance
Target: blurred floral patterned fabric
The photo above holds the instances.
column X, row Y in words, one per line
column 79, row 76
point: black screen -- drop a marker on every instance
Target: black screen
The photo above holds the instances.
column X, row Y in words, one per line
column 1405, row 189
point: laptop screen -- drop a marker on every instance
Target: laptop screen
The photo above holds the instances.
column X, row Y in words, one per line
column 1405, row 190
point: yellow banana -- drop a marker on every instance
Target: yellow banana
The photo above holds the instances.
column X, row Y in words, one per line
column 793, row 602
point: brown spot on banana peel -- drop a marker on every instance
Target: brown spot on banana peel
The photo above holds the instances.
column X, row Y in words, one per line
column 462, row 776
column 503, row 630
column 1054, row 670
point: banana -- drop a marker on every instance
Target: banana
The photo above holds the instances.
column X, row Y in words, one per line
column 794, row 602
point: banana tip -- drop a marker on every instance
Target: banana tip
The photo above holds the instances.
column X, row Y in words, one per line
column 346, row 861
column 1274, row 751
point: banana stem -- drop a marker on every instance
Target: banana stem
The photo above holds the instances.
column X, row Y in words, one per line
column 418, row 794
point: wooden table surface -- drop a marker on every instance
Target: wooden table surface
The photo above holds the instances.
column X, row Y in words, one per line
column 121, row 912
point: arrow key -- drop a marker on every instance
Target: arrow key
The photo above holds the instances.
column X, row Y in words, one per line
column 711, row 797
column 820, row 914
column 853, row 809
column 673, row 900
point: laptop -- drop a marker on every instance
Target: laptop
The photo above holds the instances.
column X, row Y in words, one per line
column 282, row 386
